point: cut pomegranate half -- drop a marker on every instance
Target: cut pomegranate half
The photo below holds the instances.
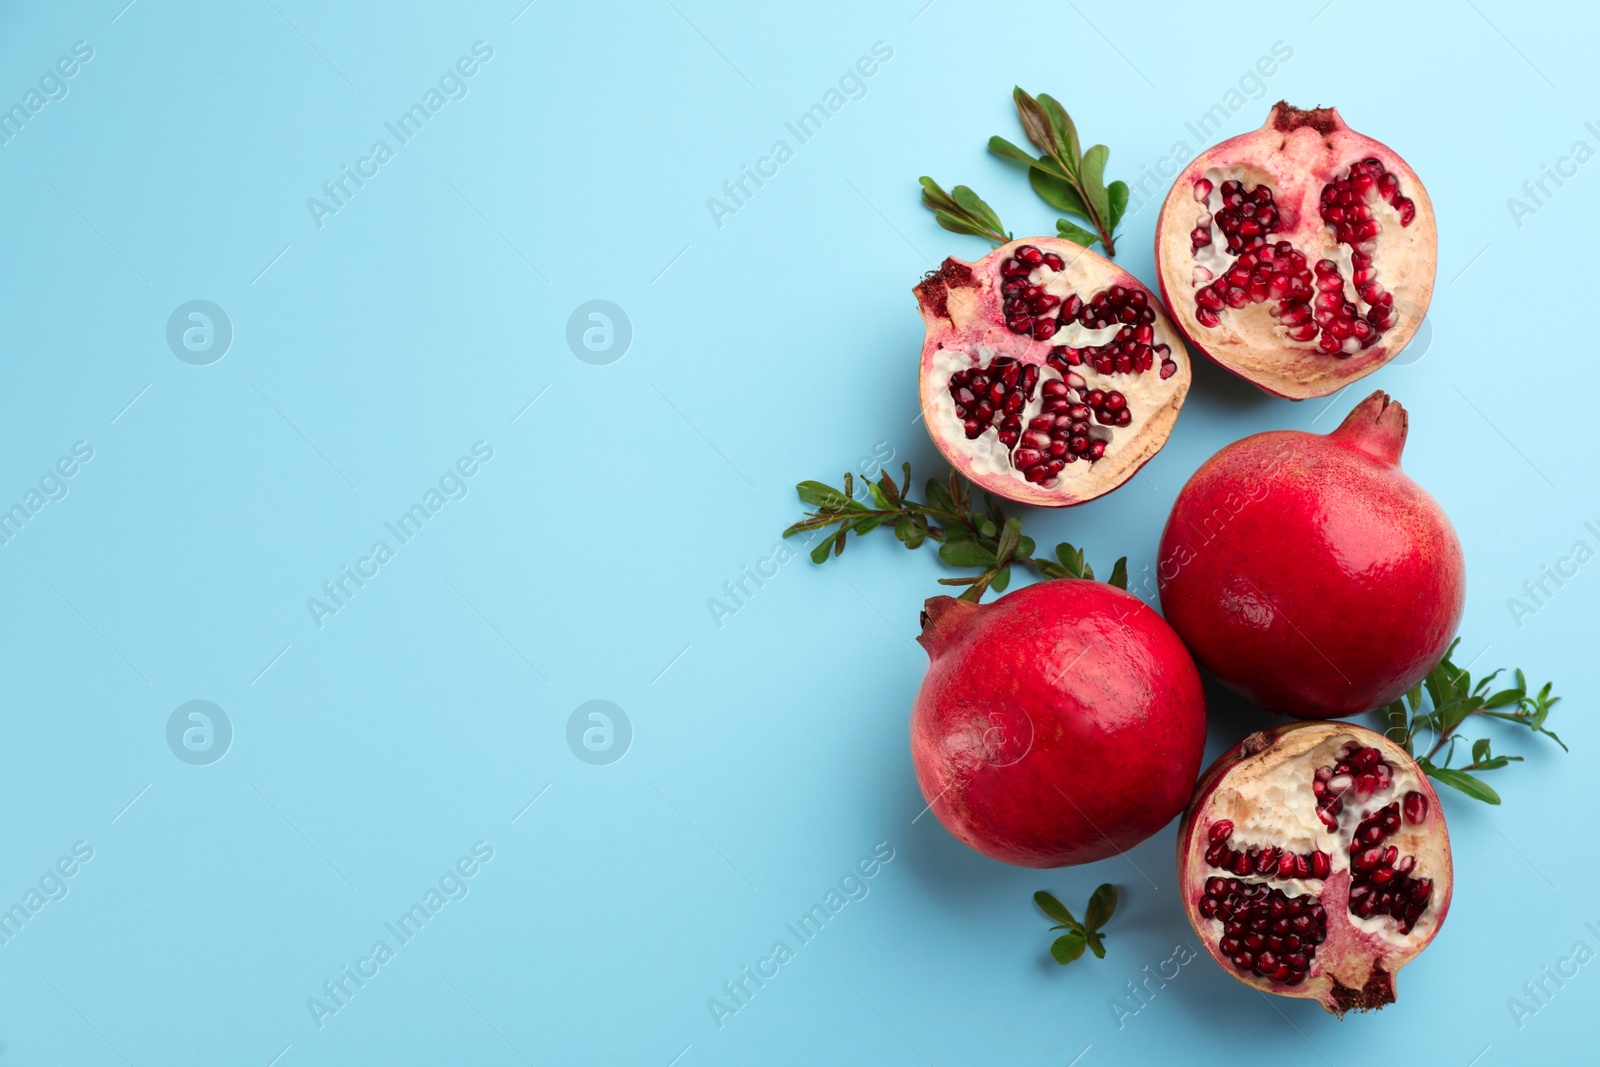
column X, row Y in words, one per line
column 1300, row 256
column 1314, row 862
column 1049, row 375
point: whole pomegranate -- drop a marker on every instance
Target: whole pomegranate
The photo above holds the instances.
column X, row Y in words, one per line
column 1314, row 862
column 1049, row 375
column 1060, row 724
column 1308, row 573
column 1300, row 256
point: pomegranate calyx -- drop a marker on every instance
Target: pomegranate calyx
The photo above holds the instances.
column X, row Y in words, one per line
column 1286, row 118
column 944, row 620
column 1376, row 426
column 1378, row 992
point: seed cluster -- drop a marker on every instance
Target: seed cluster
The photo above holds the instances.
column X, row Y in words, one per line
column 1309, row 308
column 1380, row 878
column 994, row 396
column 1265, row 931
column 1074, row 422
column 1254, row 934
column 1271, row 860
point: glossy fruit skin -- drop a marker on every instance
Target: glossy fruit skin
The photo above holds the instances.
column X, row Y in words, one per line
column 1309, row 573
column 1061, row 724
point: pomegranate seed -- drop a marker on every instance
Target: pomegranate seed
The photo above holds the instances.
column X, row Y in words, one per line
column 1221, row 831
column 1415, row 806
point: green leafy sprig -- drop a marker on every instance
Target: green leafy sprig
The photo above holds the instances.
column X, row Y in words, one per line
column 969, row 537
column 1453, row 699
column 1070, row 945
column 1066, row 177
column 962, row 211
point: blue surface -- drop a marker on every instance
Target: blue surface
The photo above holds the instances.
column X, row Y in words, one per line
column 375, row 747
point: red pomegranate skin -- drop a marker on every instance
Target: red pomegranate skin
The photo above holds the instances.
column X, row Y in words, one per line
column 1061, row 724
column 1309, row 573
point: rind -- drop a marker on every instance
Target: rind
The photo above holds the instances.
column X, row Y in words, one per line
column 1265, row 365
column 1060, row 724
column 1288, row 553
column 955, row 293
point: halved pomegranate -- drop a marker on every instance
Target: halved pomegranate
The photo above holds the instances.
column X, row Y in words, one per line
column 1314, row 862
column 1049, row 375
column 1301, row 256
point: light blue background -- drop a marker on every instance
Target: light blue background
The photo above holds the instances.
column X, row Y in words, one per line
column 769, row 753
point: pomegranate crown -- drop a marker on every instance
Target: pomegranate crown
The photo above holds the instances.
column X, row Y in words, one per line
column 1377, row 426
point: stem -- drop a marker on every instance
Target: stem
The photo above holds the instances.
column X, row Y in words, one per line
column 1105, row 239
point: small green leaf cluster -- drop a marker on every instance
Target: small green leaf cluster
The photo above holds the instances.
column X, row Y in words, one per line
column 1452, row 699
column 1079, row 935
column 1065, row 177
column 983, row 537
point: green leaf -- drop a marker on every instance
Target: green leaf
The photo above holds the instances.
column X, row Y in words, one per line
column 904, row 527
column 1101, row 904
column 867, row 523
column 986, row 526
column 1057, row 192
column 1010, row 537
column 1051, row 569
column 1097, row 945
column 975, row 207
column 1480, row 750
column 1117, row 195
column 1075, row 233
column 966, row 554
column 820, row 553
column 935, row 197
column 1092, row 176
column 1463, row 781
column 1067, row 947
column 1035, row 123
column 1025, row 547
column 1054, row 909
column 938, row 495
column 1002, row 578
column 822, row 496
column 1062, row 125
column 1071, row 559
column 891, row 491
column 956, row 224
column 1119, row 574
column 1006, row 150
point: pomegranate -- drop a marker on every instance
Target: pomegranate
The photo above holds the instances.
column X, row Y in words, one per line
column 1314, row 862
column 1060, row 724
column 1049, row 375
column 1308, row 573
column 1300, row 256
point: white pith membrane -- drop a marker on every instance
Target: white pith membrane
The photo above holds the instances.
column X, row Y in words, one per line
column 1296, row 166
column 974, row 334
column 1271, row 803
